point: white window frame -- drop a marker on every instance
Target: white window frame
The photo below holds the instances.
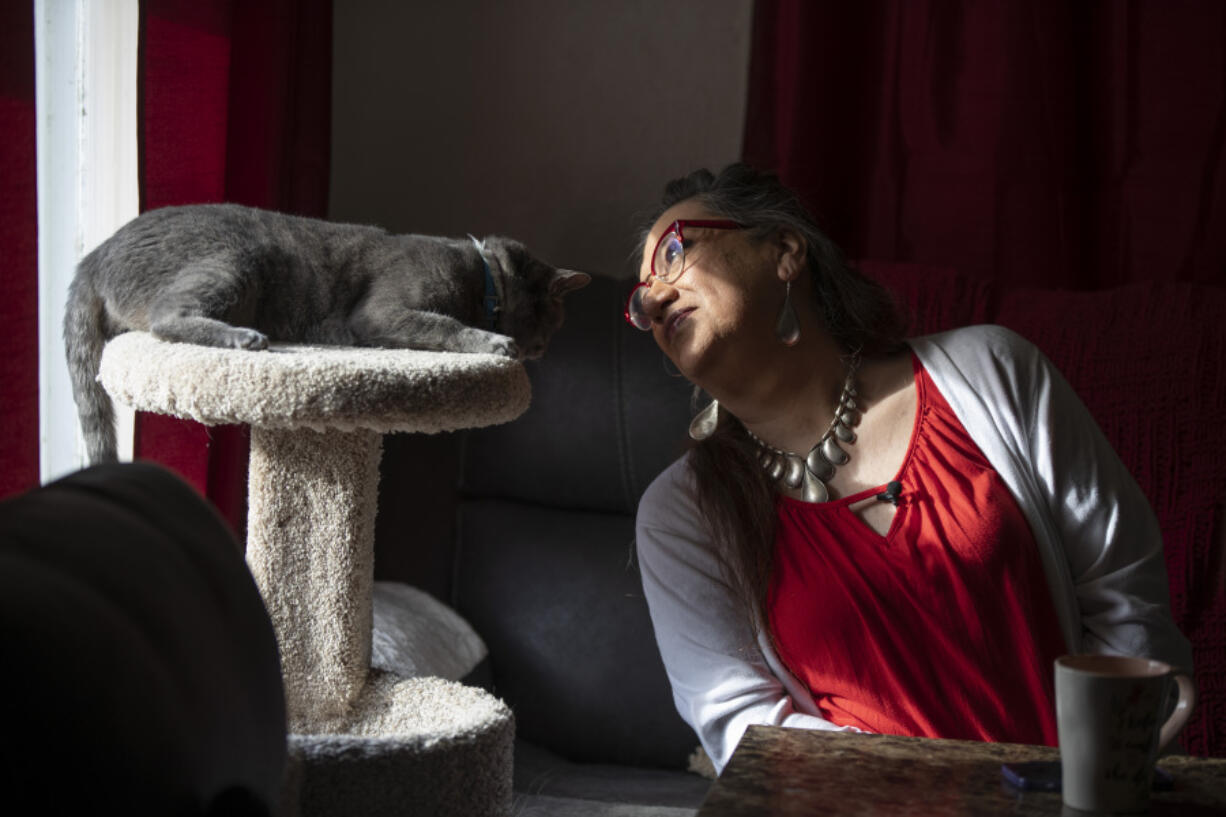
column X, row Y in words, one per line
column 85, row 98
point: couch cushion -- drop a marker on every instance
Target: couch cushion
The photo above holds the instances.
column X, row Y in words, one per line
column 546, row 784
column 606, row 416
column 556, row 595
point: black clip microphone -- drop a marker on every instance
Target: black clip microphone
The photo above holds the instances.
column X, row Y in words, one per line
column 891, row 493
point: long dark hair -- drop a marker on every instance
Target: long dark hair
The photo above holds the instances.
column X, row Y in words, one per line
column 734, row 494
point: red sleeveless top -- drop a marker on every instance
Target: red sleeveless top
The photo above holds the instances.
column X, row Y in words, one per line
column 945, row 626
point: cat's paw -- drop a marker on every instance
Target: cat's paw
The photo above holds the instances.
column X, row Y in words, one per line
column 479, row 341
column 248, row 339
column 505, row 347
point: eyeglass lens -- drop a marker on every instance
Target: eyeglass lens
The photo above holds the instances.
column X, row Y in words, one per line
column 670, row 257
column 666, row 264
column 636, row 311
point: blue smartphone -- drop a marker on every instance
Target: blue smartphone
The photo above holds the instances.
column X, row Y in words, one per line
column 1044, row 775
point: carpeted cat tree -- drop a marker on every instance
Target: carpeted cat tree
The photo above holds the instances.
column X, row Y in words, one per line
column 362, row 741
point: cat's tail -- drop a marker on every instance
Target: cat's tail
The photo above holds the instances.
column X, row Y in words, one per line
column 84, row 336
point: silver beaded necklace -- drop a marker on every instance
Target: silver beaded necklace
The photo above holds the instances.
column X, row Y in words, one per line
column 811, row 473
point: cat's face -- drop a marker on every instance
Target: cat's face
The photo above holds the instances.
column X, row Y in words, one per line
column 532, row 293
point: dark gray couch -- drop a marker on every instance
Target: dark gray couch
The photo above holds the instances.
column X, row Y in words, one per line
column 539, row 558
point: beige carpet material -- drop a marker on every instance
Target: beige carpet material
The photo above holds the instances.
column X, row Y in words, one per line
column 411, row 746
column 301, row 386
column 422, row 710
column 311, row 521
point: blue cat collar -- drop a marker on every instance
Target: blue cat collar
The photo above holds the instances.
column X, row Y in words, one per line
column 492, row 307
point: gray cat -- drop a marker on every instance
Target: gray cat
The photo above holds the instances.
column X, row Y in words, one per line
column 232, row 276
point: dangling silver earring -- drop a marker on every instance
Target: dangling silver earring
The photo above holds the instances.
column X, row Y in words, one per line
column 704, row 422
column 787, row 329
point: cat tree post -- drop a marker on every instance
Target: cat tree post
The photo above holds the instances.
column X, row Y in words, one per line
column 311, row 512
column 366, row 741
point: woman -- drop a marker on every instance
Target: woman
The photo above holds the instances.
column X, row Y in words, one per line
column 870, row 534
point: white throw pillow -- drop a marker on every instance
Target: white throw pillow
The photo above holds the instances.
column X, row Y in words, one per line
column 416, row 635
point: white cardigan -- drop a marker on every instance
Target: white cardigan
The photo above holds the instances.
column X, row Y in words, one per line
column 1099, row 541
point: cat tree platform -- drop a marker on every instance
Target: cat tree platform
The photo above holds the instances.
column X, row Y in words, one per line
column 362, row 741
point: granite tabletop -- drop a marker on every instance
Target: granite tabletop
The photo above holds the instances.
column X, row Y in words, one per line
column 781, row 771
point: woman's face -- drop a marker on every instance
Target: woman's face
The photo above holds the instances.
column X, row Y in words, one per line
column 717, row 318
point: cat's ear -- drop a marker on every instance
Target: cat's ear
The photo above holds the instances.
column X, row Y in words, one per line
column 565, row 280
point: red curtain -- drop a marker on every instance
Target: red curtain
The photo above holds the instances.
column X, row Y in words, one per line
column 235, row 105
column 1043, row 143
column 18, row 252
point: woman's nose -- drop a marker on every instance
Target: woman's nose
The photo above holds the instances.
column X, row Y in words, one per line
column 656, row 297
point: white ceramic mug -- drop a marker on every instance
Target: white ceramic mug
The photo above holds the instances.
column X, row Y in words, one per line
column 1109, row 718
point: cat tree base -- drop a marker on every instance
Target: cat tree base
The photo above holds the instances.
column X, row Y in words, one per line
column 362, row 741
column 411, row 746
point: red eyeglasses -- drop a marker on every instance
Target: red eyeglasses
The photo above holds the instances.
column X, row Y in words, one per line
column 667, row 264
